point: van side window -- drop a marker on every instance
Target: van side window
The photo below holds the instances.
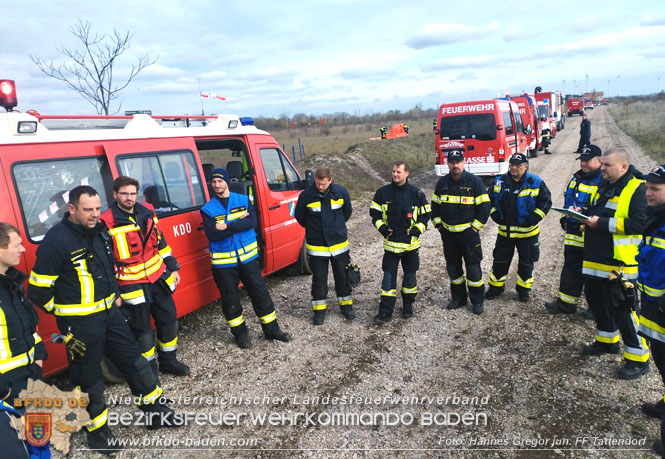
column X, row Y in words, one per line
column 508, row 123
column 169, row 181
column 280, row 174
column 43, row 189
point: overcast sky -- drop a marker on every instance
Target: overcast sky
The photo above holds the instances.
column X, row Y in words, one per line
column 270, row 58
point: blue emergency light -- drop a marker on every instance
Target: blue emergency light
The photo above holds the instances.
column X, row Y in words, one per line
column 247, row 121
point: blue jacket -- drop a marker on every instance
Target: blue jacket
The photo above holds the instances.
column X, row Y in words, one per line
column 579, row 192
column 238, row 242
column 651, row 278
column 518, row 206
column 12, row 446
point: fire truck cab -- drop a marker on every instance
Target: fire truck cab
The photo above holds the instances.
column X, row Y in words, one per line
column 488, row 131
column 43, row 157
column 575, row 106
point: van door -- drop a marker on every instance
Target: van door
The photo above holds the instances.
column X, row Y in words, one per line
column 171, row 179
column 278, row 186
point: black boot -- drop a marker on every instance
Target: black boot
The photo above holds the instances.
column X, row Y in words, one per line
column 103, row 441
column 241, row 336
column 493, row 292
column 158, row 415
column 456, row 303
column 319, row 317
column 272, row 332
column 348, row 312
column 407, row 311
column 174, row 367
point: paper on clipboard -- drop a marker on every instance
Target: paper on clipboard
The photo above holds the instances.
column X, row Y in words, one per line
column 571, row 213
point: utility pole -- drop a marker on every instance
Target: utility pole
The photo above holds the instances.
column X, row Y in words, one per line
column 587, row 83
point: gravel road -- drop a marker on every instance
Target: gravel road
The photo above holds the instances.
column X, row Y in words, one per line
column 510, row 383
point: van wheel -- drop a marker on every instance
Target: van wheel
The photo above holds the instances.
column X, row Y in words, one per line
column 533, row 153
column 111, row 373
column 303, row 261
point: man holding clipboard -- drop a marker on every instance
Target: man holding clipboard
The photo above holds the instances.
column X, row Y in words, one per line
column 582, row 186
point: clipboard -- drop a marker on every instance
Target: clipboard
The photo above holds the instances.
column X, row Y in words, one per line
column 571, row 213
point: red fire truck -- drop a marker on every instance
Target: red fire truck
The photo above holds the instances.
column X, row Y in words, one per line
column 529, row 113
column 488, row 131
column 575, row 106
column 42, row 158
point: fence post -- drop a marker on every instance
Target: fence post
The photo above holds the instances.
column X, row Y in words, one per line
column 299, row 148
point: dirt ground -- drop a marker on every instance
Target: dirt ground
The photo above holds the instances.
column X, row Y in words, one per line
column 510, row 383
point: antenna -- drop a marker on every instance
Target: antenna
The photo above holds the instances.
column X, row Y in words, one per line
column 202, row 112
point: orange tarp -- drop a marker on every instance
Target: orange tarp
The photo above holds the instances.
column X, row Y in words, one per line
column 396, row 131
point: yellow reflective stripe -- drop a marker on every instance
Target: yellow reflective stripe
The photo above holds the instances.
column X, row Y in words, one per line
column 528, row 192
column 86, row 282
column 123, row 275
column 400, row 247
column 421, row 227
column 149, row 355
column 165, row 252
column 122, row 246
column 235, row 215
column 454, row 199
column 5, row 351
column 123, row 229
column 319, row 305
column 458, row 281
column 436, row 199
column 657, row 242
column 323, row 251
column 151, row 397
column 436, row 221
column 482, row 198
column 268, row 318
column 170, row 346
column 137, row 268
column 237, row 321
column 376, row 206
column 456, row 228
column 526, row 283
column 98, row 421
column 392, row 292
column 409, row 290
column 497, row 282
column 50, row 304
column 344, row 300
column 652, row 329
column 314, row 205
column 574, row 240
column 336, row 203
column 82, row 309
column 518, row 231
column 607, row 337
column 471, row 283
column 477, row 225
column 653, row 292
column 17, row 361
column 42, row 280
column 37, row 338
column 568, row 299
column 379, row 223
column 540, row 212
column 586, row 188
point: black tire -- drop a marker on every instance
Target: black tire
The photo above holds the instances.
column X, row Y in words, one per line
column 111, row 373
column 303, row 261
column 533, row 153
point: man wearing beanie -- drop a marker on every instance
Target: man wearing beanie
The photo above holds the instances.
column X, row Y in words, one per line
column 617, row 219
column 229, row 221
column 651, row 282
column 579, row 191
column 520, row 200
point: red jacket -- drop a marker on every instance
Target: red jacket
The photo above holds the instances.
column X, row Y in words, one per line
column 141, row 253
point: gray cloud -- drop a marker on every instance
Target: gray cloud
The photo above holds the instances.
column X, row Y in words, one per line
column 446, row 34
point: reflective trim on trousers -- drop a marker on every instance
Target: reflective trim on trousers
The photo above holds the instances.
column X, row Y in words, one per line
column 458, row 281
column 149, row 355
column 568, row 299
column 607, row 337
column 345, row 300
column 268, row 318
column 98, row 421
column 237, row 321
column 392, row 292
column 497, row 282
column 319, row 305
column 167, row 347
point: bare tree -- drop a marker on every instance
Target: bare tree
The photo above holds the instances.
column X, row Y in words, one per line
column 89, row 71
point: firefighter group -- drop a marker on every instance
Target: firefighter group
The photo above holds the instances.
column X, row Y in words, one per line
column 104, row 275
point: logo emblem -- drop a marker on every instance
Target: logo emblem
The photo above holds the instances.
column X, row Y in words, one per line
column 38, row 428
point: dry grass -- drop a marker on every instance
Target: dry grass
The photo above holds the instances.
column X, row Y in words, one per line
column 643, row 120
column 332, row 146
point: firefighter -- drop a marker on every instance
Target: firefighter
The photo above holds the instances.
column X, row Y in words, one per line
column 460, row 209
column 520, row 200
column 579, row 191
column 651, row 283
column 406, row 128
column 614, row 230
column 147, row 274
column 323, row 210
column 73, row 279
column 229, row 220
column 383, row 131
column 585, row 133
column 400, row 212
column 434, row 124
column 23, row 351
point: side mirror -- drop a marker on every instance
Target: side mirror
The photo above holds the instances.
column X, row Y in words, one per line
column 436, row 132
column 309, row 178
column 529, row 129
column 554, row 115
column 499, row 127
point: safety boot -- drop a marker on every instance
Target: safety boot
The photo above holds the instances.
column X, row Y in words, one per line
column 659, row 448
column 407, row 311
column 633, row 371
column 523, row 296
column 103, row 441
column 557, row 307
column 272, row 332
column 654, row 410
column 319, row 317
column 588, row 314
column 478, row 309
column 382, row 319
column 456, row 303
column 348, row 312
column 493, row 292
column 175, row 368
column 158, row 415
column 598, row 348
column 241, row 336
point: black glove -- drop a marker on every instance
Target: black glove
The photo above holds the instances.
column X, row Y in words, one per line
column 622, row 290
column 415, row 232
column 75, row 347
column 563, row 222
column 384, row 230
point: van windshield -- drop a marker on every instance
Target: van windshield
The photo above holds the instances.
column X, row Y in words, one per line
column 480, row 127
column 542, row 110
